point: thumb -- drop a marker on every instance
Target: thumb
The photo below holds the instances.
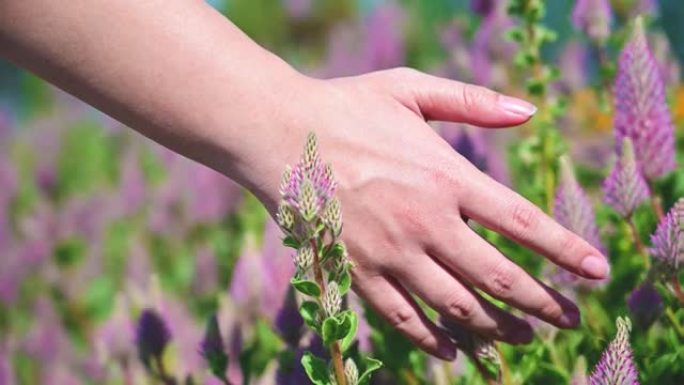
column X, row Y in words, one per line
column 449, row 100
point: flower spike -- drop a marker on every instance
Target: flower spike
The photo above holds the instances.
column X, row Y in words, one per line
column 625, row 188
column 641, row 111
column 616, row 366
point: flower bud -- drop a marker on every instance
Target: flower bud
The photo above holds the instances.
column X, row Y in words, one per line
column 332, row 301
column 285, row 216
column 645, row 305
column 285, row 180
column 667, row 249
column 333, row 216
column 308, row 201
column 152, row 336
column 304, row 258
column 351, row 372
column 311, row 158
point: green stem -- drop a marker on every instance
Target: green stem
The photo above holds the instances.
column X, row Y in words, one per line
column 637, row 241
column 656, row 203
column 164, row 377
column 677, row 288
column 335, row 351
column 675, row 323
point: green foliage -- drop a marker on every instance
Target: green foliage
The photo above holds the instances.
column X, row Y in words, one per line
column 264, row 348
column 306, row 287
column 316, row 369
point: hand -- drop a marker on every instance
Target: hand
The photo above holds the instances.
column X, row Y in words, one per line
column 404, row 193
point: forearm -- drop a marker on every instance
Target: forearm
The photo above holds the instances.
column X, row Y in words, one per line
column 175, row 70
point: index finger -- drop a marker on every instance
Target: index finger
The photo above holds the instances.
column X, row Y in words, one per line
column 500, row 209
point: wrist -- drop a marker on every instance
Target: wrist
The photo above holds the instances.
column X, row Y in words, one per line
column 265, row 129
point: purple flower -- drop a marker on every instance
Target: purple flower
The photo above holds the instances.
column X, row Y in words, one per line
column 573, row 66
column 667, row 242
column 132, row 191
column 616, row 365
column 213, row 349
column 152, row 336
column 482, row 7
column 641, row 112
column 6, row 370
column 489, row 54
column 377, row 44
column 625, row 188
column 115, row 336
column 572, row 207
column 470, row 145
column 288, row 321
column 384, row 37
column 593, row 18
column 299, row 9
column 310, row 184
column 579, row 375
column 645, row 305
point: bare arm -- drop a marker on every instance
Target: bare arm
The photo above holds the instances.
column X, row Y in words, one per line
column 175, row 70
column 180, row 73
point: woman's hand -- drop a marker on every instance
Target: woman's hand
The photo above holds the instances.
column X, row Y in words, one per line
column 405, row 192
column 181, row 74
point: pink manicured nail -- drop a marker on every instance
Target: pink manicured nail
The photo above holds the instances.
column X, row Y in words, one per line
column 596, row 267
column 517, row 106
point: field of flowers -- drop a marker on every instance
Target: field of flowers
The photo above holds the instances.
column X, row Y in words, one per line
column 123, row 263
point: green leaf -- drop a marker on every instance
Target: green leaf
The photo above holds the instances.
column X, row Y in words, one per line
column 290, row 241
column 329, row 330
column 349, row 333
column 343, row 327
column 515, row 34
column 260, row 351
column 371, row 365
column 309, row 311
column 344, row 282
column 307, row 287
column 337, row 250
column 316, row 369
column 535, row 87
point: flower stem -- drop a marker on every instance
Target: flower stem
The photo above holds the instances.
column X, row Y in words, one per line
column 656, row 202
column 126, row 370
column 675, row 323
column 164, row 377
column 677, row 288
column 335, row 352
column 637, row 241
column 484, row 373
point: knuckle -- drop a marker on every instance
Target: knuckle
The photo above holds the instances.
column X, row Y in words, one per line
column 404, row 72
column 473, row 96
column 501, row 281
column 569, row 243
column 551, row 310
column 400, row 318
column 459, row 306
column 524, row 218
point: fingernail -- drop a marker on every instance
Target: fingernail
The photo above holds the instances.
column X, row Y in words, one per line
column 596, row 267
column 570, row 319
column 447, row 352
column 517, row 106
column 524, row 335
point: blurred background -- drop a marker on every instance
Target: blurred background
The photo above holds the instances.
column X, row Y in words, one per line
column 97, row 222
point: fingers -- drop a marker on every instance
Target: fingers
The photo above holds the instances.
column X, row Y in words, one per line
column 448, row 100
column 444, row 293
column 397, row 307
column 502, row 210
column 486, row 268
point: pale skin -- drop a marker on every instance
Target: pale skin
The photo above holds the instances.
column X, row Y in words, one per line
column 180, row 73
